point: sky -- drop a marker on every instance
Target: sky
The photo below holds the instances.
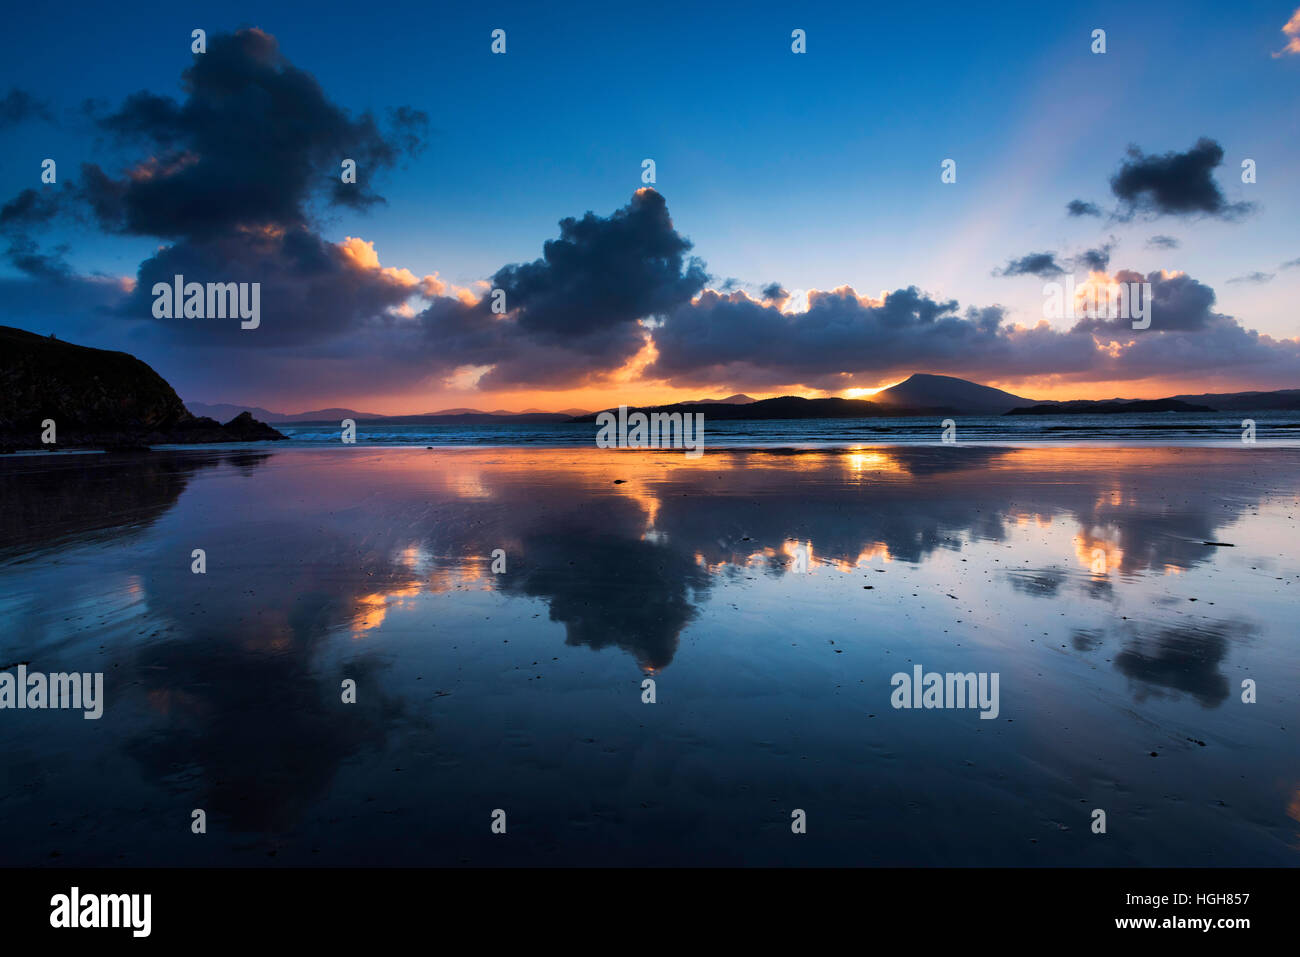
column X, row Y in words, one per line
column 797, row 238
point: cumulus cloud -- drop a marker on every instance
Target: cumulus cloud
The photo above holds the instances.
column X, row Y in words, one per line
column 842, row 338
column 249, row 145
column 1174, row 184
column 582, row 310
column 1292, row 30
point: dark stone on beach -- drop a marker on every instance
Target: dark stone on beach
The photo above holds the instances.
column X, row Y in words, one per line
column 98, row 399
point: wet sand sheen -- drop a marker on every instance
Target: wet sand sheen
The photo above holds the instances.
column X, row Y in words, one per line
column 1122, row 596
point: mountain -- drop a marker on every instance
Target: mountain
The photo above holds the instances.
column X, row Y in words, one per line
column 782, row 407
column 221, row 410
column 471, row 418
column 1111, row 407
column 922, row 391
column 99, row 399
column 738, row 399
column 1247, row 401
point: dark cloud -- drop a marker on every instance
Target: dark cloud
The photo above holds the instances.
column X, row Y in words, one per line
column 252, row 143
column 33, row 208
column 574, row 314
column 1094, row 260
column 1178, row 303
column 1174, row 184
column 25, row 255
column 1046, row 265
column 232, row 176
column 603, row 272
column 19, row 106
column 1042, row 265
column 1162, row 242
column 1256, row 278
column 1077, row 207
column 730, row 339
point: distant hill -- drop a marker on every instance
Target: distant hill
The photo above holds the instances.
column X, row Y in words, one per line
column 1247, row 401
column 782, row 407
column 222, row 410
column 468, row 418
column 918, row 394
column 738, row 399
column 1085, row 407
column 98, row 399
column 922, row 391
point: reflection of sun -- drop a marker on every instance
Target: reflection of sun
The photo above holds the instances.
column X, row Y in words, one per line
column 1097, row 554
column 862, row 461
column 374, row 607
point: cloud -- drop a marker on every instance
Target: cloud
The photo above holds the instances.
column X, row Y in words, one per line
column 19, row 106
column 1178, row 303
column 1033, row 264
column 1046, row 265
column 1162, row 242
column 1292, row 29
column 735, row 341
column 1174, row 184
column 728, row 339
column 574, row 315
column 1252, row 277
column 253, row 142
column 30, row 209
column 232, row 179
column 1094, row 260
column 1290, row 264
column 1077, row 207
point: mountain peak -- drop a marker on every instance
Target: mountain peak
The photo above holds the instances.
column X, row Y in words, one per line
column 924, row 390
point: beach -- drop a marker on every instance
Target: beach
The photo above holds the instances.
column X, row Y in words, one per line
column 499, row 610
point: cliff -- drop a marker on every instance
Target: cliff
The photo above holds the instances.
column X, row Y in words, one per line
column 97, row 399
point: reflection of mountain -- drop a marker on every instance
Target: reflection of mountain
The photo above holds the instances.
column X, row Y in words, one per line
column 49, row 498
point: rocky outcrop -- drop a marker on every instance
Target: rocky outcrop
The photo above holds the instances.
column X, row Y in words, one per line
column 97, row 399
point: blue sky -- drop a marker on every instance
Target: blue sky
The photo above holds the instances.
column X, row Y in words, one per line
column 814, row 170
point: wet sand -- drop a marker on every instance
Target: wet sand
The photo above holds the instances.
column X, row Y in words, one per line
column 1122, row 595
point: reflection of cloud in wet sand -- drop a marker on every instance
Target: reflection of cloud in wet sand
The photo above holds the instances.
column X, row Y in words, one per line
column 1183, row 658
column 326, row 544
